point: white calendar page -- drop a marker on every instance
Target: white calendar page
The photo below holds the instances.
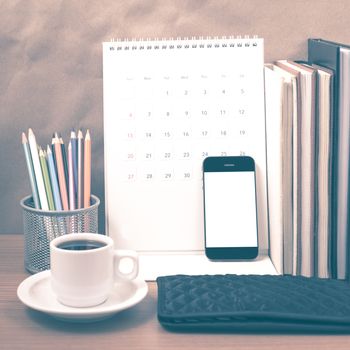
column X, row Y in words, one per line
column 167, row 106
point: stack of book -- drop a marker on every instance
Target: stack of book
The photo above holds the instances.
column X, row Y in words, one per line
column 308, row 123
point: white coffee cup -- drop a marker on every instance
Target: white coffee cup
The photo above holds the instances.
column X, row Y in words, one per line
column 85, row 266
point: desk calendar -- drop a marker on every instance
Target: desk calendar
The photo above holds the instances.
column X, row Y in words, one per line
column 168, row 104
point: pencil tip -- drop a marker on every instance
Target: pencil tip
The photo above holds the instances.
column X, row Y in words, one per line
column 24, row 137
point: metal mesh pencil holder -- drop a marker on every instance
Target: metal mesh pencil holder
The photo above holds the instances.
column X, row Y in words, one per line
column 41, row 227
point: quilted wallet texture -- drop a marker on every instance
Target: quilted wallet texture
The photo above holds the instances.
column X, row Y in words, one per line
column 253, row 303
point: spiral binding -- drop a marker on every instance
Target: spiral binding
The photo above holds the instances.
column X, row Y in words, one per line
column 183, row 43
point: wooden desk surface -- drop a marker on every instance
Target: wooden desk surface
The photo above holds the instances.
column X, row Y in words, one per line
column 136, row 328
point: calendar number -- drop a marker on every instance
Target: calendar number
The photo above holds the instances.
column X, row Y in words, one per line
column 184, row 173
column 128, row 154
column 166, row 114
column 129, row 175
column 185, row 133
column 129, row 135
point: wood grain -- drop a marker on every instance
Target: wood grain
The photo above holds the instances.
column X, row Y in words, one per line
column 136, row 328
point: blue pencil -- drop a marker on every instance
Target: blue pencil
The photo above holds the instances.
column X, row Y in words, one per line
column 30, row 171
column 54, row 180
column 64, row 157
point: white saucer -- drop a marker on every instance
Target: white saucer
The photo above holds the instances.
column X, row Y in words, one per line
column 35, row 292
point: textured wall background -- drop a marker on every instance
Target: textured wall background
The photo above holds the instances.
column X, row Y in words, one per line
column 51, row 63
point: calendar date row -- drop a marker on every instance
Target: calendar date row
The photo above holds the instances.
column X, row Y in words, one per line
column 175, row 154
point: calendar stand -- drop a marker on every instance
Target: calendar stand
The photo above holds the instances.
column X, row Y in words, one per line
column 168, row 105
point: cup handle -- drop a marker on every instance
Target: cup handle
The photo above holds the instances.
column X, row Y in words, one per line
column 119, row 255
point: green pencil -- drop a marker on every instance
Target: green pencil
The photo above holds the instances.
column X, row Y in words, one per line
column 46, row 177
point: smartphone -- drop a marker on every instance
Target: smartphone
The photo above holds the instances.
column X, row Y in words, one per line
column 230, row 210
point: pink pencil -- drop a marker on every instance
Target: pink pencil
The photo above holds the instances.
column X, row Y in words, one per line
column 60, row 173
column 87, row 169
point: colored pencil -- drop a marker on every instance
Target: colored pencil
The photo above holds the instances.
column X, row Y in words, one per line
column 30, row 171
column 87, row 169
column 46, row 177
column 53, row 178
column 64, row 158
column 80, row 170
column 37, row 170
column 74, row 141
column 53, row 152
column 71, row 177
column 61, row 174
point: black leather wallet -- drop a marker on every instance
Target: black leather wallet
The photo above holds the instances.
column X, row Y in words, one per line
column 253, row 303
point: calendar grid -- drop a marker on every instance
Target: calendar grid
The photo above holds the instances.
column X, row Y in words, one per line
column 167, row 106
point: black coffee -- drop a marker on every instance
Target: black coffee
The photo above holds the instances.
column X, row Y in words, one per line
column 82, row 244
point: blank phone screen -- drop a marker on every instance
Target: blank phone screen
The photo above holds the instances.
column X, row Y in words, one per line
column 230, row 209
